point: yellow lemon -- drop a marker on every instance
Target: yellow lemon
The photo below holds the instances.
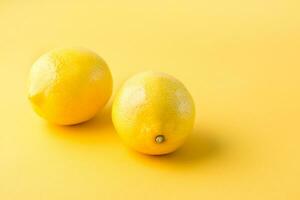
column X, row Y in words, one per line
column 153, row 113
column 69, row 85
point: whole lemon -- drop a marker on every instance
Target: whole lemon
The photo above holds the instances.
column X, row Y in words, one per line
column 69, row 85
column 153, row 113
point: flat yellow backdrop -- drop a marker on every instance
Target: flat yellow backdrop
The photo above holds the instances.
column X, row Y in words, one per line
column 240, row 59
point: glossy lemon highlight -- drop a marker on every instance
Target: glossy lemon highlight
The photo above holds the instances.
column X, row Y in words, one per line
column 68, row 86
column 153, row 113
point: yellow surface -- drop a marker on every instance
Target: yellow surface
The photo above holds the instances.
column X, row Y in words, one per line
column 239, row 59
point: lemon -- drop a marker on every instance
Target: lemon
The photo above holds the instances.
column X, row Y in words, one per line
column 69, row 85
column 153, row 113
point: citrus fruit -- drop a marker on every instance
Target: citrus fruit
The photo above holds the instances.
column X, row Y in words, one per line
column 69, row 85
column 153, row 113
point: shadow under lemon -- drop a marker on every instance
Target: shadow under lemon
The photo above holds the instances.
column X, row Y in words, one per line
column 99, row 129
column 200, row 147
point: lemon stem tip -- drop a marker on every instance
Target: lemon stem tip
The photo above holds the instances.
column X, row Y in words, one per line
column 160, row 139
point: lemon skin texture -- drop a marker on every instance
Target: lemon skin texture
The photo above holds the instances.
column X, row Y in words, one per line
column 69, row 85
column 153, row 113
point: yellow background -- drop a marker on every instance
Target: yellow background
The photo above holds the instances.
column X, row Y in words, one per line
column 239, row 59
